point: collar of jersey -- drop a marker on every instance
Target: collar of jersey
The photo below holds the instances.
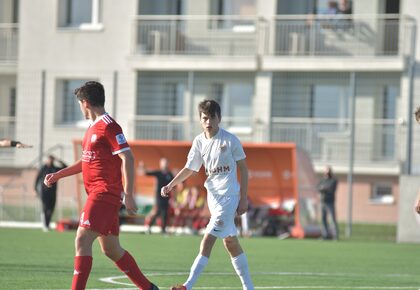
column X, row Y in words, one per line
column 98, row 119
column 218, row 132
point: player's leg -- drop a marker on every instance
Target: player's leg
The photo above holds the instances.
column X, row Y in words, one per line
column 154, row 217
column 111, row 247
column 200, row 261
column 331, row 208
column 50, row 204
column 83, row 259
column 164, row 216
column 324, row 212
column 239, row 261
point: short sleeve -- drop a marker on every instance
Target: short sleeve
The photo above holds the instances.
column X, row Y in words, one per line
column 194, row 160
column 116, row 138
column 237, row 149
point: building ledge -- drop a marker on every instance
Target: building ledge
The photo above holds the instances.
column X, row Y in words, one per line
column 368, row 64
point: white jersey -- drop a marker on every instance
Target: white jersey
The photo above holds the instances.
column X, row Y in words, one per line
column 219, row 155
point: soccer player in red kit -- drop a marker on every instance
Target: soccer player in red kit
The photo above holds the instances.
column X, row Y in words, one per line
column 106, row 161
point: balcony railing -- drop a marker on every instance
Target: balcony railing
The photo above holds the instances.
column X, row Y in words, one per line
column 8, row 43
column 181, row 129
column 376, row 141
column 290, row 35
column 341, row 35
column 197, row 35
column 329, row 139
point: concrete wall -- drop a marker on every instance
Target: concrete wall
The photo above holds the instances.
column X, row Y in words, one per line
column 408, row 229
column 71, row 53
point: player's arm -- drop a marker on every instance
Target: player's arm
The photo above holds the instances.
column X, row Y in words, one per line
column 179, row 178
column 52, row 178
column 127, row 168
column 12, row 143
column 243, row 171
column 418, row 206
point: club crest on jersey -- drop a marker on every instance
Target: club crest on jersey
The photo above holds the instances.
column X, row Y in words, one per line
column 121, row 139
column 93, row 138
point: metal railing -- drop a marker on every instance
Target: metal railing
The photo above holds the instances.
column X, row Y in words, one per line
column 341, row 35
column 376, row 140
column 197, row 35
column 181, row 129
column 8, row 42
column 290, row 35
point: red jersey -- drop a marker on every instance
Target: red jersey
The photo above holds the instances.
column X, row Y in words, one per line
column 101, row 165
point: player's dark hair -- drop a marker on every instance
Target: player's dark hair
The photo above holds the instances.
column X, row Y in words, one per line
column 209, row 107
column 417, row 114
column 92, row 92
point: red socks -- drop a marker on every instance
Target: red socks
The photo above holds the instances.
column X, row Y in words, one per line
column 82, row 266
column 128, row 265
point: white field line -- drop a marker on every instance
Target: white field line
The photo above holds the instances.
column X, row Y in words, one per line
column 112, row 280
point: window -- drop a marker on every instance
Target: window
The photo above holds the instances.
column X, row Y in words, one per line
column 232, row 7
column 12, row 103
column 82, row 14
column 9, row 11
column 161, row 7
column 67, row 107
column 382, row 193
column 161, row 94
column 329, row 101
column 236, row 102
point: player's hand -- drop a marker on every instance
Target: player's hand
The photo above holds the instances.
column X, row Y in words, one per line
column 50, row 179
column 418, row 207
column 164, row 191
column 130, row 204
column 243, row 206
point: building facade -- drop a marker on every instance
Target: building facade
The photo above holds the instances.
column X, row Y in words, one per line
column 334, row 77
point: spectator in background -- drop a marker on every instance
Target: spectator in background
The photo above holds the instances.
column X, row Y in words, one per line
column 48, row 195
column 163, row 177
column 13, row 143
column 327, row 188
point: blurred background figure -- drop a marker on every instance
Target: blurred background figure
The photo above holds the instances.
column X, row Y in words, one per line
column 163, row 177
column 13, row 143
column 327, row 187
column 48, row 195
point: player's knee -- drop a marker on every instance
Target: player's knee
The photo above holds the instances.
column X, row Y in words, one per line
column 232, row 245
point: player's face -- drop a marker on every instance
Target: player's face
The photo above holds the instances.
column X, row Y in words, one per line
column 84, row 110
column 210, row 124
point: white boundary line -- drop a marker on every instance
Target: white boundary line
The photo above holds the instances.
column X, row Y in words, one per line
column 112, row 280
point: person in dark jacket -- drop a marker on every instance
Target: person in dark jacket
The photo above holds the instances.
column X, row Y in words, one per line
column 163, row 177
column 48, row 195
column 327, row 187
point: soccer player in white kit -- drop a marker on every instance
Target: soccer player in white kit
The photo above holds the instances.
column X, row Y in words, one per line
column 221, row 153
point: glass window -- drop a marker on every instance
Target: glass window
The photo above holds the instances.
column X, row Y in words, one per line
column 12, row 103
column 161, row 7
column 382, row 193
column 161, row 94
column 235, row 101
column 82, row 14
column 329, row 102
column 67, row 106
column 232, row 7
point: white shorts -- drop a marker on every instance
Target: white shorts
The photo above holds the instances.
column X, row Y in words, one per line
column 223, row 211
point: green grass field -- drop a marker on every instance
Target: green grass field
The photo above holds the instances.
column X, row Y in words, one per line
column 31, row 259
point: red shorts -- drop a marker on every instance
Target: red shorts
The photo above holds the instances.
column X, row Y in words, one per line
column 100, row 217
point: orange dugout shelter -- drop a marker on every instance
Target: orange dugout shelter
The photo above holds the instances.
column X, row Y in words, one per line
column 280, row 175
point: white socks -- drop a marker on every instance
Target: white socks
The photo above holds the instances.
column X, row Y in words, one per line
column 240, row 264
column 197, row 267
